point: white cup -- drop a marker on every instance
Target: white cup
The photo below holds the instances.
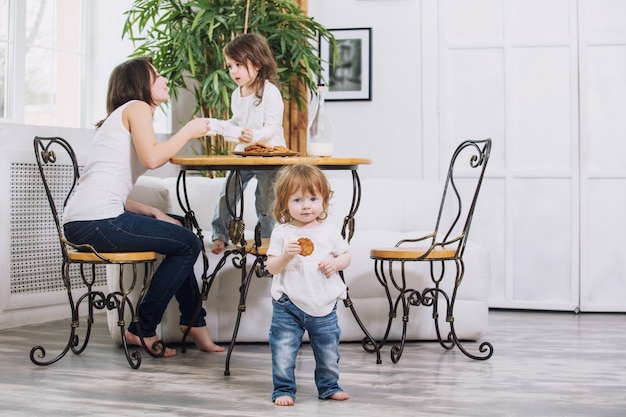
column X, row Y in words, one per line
column 232, row 133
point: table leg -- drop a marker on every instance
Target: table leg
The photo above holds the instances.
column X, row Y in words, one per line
column 347, row 231
column 236, row 226
column 235, row 207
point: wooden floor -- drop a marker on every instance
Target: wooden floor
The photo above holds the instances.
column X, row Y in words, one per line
column 545, row 364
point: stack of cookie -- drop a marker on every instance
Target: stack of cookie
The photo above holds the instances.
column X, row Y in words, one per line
column 261, row 148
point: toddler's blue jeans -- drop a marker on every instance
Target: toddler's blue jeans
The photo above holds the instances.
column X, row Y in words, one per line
column 286, row 331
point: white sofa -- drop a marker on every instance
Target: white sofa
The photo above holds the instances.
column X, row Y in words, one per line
column 389, row 211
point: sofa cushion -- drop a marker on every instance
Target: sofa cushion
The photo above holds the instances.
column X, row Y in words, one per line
column 151, row 191
column 203, row 194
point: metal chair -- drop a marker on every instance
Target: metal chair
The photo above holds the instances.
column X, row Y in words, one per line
column 52, row 155
column 444, row 246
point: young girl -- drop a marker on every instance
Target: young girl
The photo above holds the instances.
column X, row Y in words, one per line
column 257, row 115
column 304, row 255
column 99, row 213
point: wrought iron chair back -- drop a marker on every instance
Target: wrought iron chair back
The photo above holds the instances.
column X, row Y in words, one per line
column 458, row 201
column 46, row 159
column 54, row 155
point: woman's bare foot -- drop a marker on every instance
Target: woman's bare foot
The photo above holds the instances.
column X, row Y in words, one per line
column 284, row 400
column 218, row 246
column 339, row 396
column 134, row 340
column 201, row 337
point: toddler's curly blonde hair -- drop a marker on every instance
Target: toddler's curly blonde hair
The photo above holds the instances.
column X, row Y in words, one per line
column 290, row 179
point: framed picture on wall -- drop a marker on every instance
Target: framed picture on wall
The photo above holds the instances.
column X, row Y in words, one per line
column 349, row 76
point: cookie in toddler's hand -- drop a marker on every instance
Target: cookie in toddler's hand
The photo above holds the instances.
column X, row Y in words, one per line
column 307, row 246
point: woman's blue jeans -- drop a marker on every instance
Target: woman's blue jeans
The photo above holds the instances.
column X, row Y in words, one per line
column 286, row 331
column 130, row 232
column 263, row 196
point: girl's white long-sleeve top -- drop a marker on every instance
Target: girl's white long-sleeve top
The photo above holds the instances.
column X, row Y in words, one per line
column 264, row 118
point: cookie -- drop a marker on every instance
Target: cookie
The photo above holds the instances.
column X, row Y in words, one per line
column 307, row 246
column 258, row 147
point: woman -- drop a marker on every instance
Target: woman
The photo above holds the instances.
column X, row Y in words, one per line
column 99, row 213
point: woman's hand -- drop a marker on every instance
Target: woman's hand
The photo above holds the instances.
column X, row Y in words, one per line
column 198, row 127
column 145, row 210
column 159, row 215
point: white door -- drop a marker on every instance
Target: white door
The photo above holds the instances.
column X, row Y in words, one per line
column 603, row 154
column 508, row 69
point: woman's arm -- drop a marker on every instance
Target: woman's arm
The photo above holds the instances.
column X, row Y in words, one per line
column 145, row 210
column 137, row 117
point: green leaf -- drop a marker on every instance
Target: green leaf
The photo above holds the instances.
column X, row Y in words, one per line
column 185, row 38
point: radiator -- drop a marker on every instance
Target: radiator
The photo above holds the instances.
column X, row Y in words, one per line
column 35, row 254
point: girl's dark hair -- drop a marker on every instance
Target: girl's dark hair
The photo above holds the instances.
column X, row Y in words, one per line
column 130, row 80
column 254, row 48
column 290, row 179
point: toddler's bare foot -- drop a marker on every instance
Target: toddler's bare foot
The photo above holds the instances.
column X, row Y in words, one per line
column 218, row 246
column 340, row 396
column 134, row 340
column 201, row 337
column 284, row 400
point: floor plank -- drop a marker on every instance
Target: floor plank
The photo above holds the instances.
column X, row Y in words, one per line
column 545, row 364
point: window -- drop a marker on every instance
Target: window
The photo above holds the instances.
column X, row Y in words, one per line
column 53, row 57
column 4, row 46
column 41, row 61
column 55, row 60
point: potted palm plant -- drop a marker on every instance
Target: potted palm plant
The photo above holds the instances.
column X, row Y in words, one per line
column 185, row 39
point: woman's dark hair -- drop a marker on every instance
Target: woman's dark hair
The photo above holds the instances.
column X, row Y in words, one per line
column 130, row 80
column 254, row 48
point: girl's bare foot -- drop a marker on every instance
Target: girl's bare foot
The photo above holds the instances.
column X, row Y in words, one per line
column 201, row 337
column 218, row 246
column 134, row 340
column 284, row 400
column 340, row 396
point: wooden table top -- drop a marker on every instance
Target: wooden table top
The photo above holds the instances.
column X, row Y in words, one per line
column 217, row 162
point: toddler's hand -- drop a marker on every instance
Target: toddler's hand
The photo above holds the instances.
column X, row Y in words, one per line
column 246, row 135
column 327, row 266
column 292, row 249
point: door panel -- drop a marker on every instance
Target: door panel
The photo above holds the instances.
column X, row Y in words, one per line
column 603, row 160
column 508, row 70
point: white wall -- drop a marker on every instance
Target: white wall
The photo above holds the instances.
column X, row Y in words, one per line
column 106, row 23
column 16, row 145
column 106, row 40
column 387, row 129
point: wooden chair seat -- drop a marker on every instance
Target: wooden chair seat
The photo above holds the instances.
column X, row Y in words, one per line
column 411, row 254
column 112, row 257
column 252, row 248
